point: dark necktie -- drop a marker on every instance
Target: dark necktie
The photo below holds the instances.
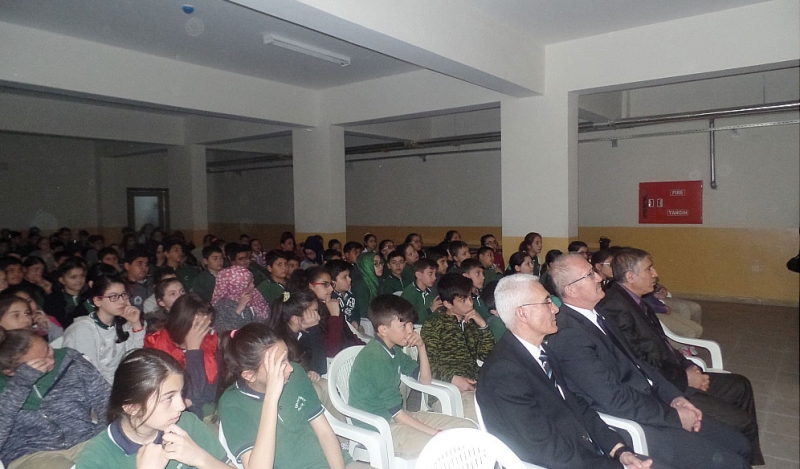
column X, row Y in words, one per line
column 546, row 365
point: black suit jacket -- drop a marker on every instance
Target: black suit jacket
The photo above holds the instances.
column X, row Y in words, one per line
column 608, row 377
column 644, row 335
column 521, row 406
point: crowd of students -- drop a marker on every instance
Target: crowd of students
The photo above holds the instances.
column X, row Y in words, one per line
column 230, row 333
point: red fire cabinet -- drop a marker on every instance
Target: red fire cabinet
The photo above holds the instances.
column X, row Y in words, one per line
column 671, row 202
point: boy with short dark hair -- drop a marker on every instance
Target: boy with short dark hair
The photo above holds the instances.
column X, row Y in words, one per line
column 175, row 256
column 486, row 257
column 351, row 251
column 420, row 293
column 213, row 261
column 239, row 254
column 376, row 371
column 275, row 284
column 12, row 266
column 473, row 270
column 496, row 325
column 393, row 278
column 459, row 250
column 457, row 338
column 339, row 271
column 136, row 267
column 331, row 255
column 440, row 257
column 292, row 263
column 109, row 255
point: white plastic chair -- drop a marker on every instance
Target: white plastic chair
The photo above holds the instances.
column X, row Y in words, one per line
column 363, row 336
column 635, row 431
column 368, row 329
column 713, row 348
column 339, row 393
column 58, row 343
column 467, row 448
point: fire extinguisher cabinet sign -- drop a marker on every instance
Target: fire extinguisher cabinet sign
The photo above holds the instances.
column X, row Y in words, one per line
column 671, row 202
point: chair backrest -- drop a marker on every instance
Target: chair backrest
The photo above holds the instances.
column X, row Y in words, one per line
column 57, row 343
column 467, row 448
column 481, row 425
column 339, row 372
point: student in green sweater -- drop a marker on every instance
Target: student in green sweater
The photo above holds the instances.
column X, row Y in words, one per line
column 459, row 250
column 486, row 256
column 473, row 270
column 496, row 325
column 457, row 338
column 393, row 277
column 213, row 260
column 375, row 377
column 420, row 293
column 175, row 255
column 277, row 266
column 365, row 285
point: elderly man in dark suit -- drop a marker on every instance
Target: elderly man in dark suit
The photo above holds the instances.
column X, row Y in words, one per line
column 523, row 399
column 599, row 368
column 728, row 397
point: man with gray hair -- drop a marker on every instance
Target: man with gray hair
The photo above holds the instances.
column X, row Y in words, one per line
column 599, row 367
column 525, row 402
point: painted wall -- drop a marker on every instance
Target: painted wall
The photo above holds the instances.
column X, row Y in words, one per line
column 750, row 221
column 47, row 182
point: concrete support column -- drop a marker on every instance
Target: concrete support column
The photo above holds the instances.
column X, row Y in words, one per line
column 188, row 194
column 319, row 185
column 539, row 169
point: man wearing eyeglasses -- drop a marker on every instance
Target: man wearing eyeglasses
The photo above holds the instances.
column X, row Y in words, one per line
column 525, row 402
column 599, row 367
column 727, row 397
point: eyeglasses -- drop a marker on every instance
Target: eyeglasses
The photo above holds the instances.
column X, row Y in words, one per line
column 547, row 302
column 378, row 263
column 591, row 274
column 114, row 297
column 324, row 284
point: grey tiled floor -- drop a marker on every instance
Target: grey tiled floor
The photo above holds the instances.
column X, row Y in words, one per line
column 761, row 342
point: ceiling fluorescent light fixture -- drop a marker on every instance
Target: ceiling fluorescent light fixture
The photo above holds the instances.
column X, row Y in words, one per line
column 306, row 49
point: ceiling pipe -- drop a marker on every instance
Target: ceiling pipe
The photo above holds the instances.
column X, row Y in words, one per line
column 688, row 116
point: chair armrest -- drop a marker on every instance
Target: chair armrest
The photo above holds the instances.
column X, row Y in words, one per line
column 448, row 394
column 634, row 430
column 710, row 345
column 374, row 444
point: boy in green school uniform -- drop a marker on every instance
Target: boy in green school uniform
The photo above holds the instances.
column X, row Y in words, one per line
column 420, row 293
column 393, row 279
column 459, row 250
column 376, row 371
column 175, row 253
column 473, row 270
column 486, row 257
column 204, row 283
column 277, row 266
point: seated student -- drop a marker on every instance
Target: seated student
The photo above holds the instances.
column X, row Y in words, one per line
column 335, row 244
column 365, row 285
column 275, row 283
column 489, row 240
column 375, row 377
column 236, row 301
column 33, row 270
column 3, row 282
column 601, row 261
column 167, row 291
column 341, row 282
column 519, row 263
column 449, row 237
column 12, row 266
column 532, row 244
column 49, row 397
column 312, row 252
column 258, row 406
column 486, row 257
column 109, row 256
column 295, row 318
column 45, row 251
column 175, row 253
column 239, row 254
column 46, row 326
column 188, row 338
column 292, row 262
column 544, row 277
column 473, row 270
column 420, row 294
column 393, row 276
column 65, row 298
column 411, row 256
column 257, row 253
column 136, row 268
column 385, row 247
column 456, row 338
column 370, row 243
column 111, row 331
column 496, row 325
column 204, row 283
column 415, row 240
column 579, row 247
column 85, row 304
column 459, row 250
column 351, row 251
column 440, row 257
column 330, row 255
column 164, row 272
column 678, row 324
column 148, row 426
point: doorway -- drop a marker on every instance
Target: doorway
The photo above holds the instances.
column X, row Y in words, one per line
column 148, row 206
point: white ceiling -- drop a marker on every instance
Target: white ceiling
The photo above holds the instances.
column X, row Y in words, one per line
column 552, row 21
column 226, row 36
